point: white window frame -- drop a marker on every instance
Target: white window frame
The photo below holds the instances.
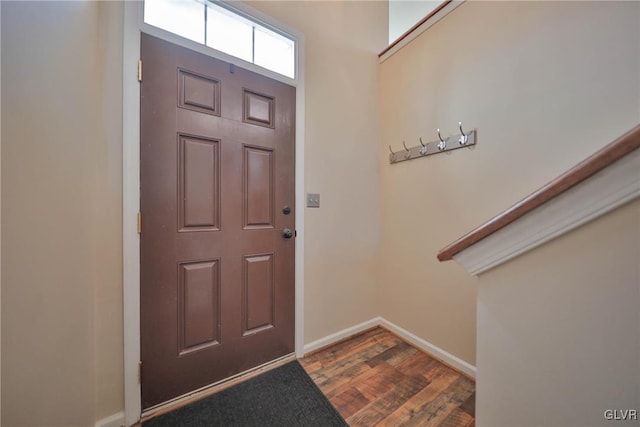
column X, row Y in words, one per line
column 133, row 27
column 245, row 12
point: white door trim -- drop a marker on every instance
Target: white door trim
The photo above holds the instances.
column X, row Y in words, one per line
column 133, row 26
column 130, row 209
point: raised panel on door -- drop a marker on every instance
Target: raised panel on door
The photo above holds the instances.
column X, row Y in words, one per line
column 258, row 109
column 199, row 184
column 258, row 297
column 258, row 191
column 198, row 305
column 198, row 92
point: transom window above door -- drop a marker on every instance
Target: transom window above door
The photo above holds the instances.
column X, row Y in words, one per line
column 223, row 28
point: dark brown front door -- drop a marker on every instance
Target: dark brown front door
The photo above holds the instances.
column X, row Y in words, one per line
column 217, row 173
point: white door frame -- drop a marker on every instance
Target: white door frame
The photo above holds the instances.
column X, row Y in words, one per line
column 133, row 26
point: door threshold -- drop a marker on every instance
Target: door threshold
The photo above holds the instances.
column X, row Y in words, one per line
column 208, row 390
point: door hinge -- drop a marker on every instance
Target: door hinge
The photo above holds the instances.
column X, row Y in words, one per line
column 140, row 372
column 139, row 223
column 140, row 70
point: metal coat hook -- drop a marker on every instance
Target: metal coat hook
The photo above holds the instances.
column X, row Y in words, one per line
column 424, row 148
column 393, row 155
column 442, row 144
column 464, row 137
column 408, row 152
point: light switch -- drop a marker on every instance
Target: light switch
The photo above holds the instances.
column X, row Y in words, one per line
column 313, row 200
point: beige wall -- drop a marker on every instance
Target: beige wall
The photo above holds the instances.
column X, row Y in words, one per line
column 0, row 219
column 341, row 158
column 545, row 83
column 559, row 329
column 61, row 213
column 62, row 195
column 107, row 217
column 536, row 79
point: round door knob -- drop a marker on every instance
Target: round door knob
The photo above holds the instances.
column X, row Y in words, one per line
column 287, row 233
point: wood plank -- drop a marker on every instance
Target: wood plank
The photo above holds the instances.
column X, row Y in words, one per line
column 349, row 402
column 384, row 378
column 408, row 354
column 421, row 364
column 469, row 406
column 342, row 350
column 377, row 378
column 365, row 380
column 457, row 418
column 347, row 382
column 438, row 409
column 396, row 350
column 441, row 379
column 350, row 366
column 384, row 405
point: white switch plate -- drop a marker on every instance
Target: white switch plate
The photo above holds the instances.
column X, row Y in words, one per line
column 313, row 200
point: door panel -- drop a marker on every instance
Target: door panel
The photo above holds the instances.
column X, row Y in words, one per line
column 258, row 192
column 198, row 184
column 258, row 296
column 198, row 305
column 258, row 109
column 217, row 167
column 198, row 92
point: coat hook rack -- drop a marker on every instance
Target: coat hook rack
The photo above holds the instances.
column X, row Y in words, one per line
column 441, row 145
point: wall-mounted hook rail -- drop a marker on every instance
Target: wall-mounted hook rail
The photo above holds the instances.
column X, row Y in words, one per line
column 441, row 145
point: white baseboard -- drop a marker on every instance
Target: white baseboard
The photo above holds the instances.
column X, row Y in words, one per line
column 432, row 349
column 340, row 335
column 422, row 344
column 115, row 420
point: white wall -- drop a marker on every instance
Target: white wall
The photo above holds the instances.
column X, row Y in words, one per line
column 404, row 14
column 559, row 329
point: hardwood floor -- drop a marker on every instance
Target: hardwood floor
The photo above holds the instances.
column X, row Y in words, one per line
column 376, row 378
